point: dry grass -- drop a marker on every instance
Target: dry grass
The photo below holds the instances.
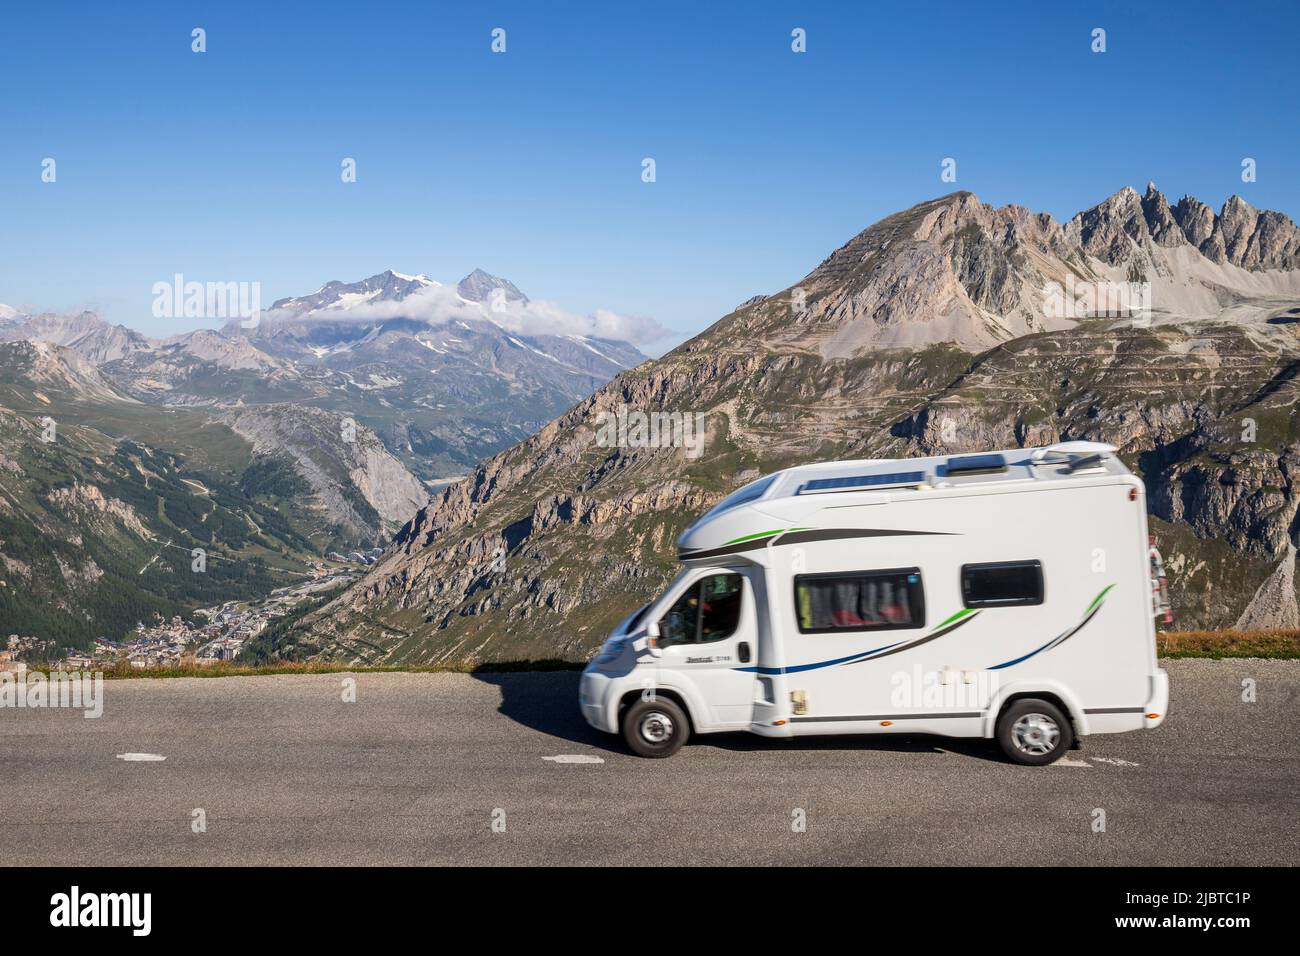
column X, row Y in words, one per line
column 227, row 669
column 1284, row 644
column 1219, row 644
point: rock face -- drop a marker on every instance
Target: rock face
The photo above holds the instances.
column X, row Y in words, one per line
column 1274, row 604
column 52, row 371
column 222, row 351
column 354, row 480
column 916, row 337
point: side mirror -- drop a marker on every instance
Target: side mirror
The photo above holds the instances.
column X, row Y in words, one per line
column 650, row 643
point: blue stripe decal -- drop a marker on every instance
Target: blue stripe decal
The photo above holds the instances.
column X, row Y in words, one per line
column 998, row 667
column 1060, row 638
column 810, row 667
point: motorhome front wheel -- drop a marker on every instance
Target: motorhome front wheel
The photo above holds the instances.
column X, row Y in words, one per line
column 1034, row 732
column 655, row 728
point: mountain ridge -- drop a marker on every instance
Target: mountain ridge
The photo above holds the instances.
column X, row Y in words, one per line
column 551, row 541
column 443, row 381
column 965, row 272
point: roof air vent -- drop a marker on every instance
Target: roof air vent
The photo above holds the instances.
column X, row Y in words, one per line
column 975, row 465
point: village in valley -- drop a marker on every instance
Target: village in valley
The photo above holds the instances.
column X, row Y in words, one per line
column 215, row 634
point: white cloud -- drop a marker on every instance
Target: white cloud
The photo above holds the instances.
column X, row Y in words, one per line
column 440, row 304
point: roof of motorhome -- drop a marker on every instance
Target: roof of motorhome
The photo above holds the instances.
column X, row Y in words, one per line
column 801, row 490
column 1064, row 462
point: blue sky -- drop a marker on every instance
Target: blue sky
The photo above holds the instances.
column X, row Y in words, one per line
column 224, row 166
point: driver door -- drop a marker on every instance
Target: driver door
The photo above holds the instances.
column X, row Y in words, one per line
column 707, row 636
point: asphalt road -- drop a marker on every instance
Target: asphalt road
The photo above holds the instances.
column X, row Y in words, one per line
column 412, row 772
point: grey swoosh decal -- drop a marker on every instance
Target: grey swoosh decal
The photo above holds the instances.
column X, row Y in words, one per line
column 801, row 537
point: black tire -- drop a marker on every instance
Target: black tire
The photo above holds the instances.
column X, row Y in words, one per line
column 655, row 728
column 1034, row 732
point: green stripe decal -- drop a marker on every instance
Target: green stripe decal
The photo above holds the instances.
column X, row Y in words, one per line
column 1098, row 599
column 962, row 613
column 761, row 534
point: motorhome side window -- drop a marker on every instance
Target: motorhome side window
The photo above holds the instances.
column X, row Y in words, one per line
column 708, row 611
column 860, row 601
column 1002, row 584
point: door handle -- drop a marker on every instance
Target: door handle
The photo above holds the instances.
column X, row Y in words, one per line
column 742, row 652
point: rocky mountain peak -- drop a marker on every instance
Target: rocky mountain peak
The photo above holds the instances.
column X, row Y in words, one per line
column 386, row 286
column 1159, row 217
column 478, row 286
column 1109, row 229
column 1196, row 220
column 953, row 269
column 83, row 332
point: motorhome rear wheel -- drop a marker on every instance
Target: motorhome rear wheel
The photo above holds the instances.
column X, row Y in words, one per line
column 1034, row 732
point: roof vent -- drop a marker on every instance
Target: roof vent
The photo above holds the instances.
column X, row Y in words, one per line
column 975, row 465
column 1073, row 448
column 1074, row 455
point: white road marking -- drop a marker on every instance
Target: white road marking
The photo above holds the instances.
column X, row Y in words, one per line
column 574, row 758
column 141, row 757
column 1071, row 762
column 1115, row 761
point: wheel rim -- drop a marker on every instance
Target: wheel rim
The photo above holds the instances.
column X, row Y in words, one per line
column 1035, row 734
column 656, row 727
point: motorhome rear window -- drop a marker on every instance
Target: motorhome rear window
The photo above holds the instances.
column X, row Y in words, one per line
column 860, row 601
column 1002, row 584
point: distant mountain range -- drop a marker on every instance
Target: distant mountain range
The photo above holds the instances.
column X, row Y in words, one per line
column 321, row 429
column 445, row 376
column 950, row 326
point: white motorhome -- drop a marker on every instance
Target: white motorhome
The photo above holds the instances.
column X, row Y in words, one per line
column 1005, row 595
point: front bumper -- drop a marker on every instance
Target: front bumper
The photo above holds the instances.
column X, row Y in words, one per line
column 596, row 700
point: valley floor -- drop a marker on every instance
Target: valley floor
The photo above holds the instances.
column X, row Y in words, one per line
column 414, row 770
